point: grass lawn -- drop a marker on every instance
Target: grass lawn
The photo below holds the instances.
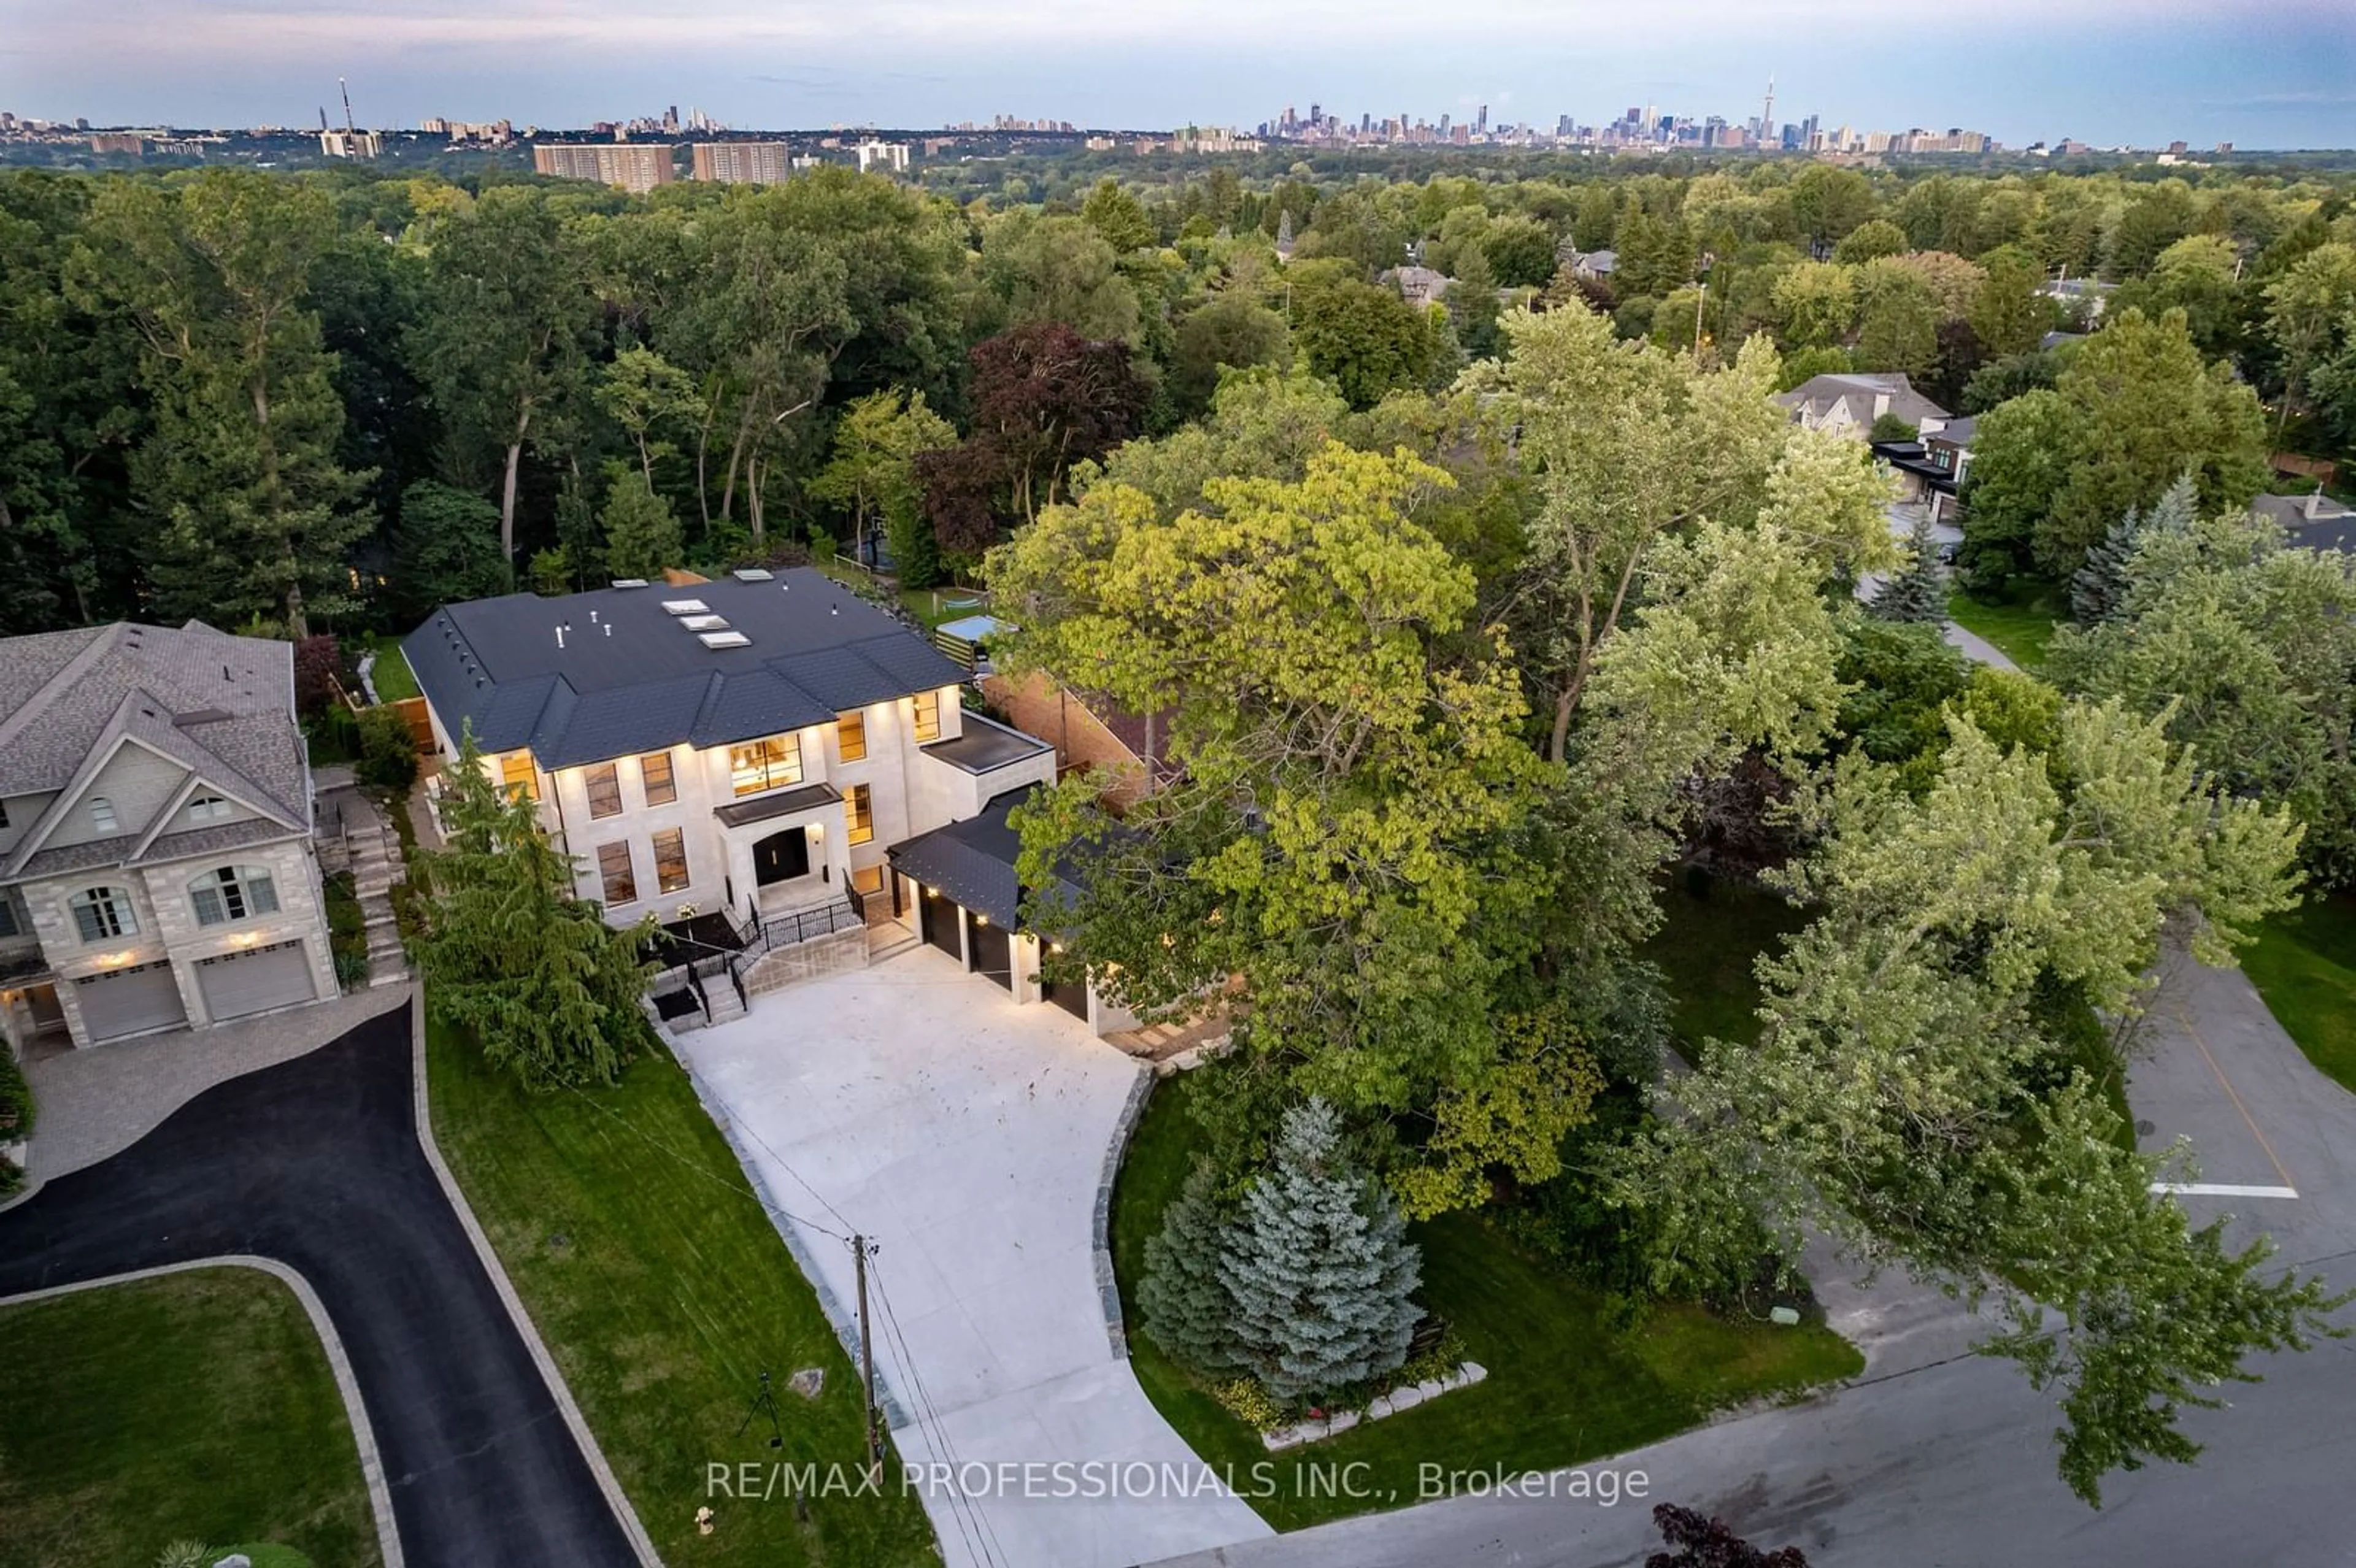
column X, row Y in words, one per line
column 2304, row 963
column 190, row 1407
column 1563, row 1387
column 1708, row 946
column 930, row 605
column 2022, row 628
column 394, row 681
column 663, row 1291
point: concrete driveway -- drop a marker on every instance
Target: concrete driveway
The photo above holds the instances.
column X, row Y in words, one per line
column 967, row 1137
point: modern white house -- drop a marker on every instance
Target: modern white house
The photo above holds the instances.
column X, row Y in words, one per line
column 742, row 759
column 156, row 869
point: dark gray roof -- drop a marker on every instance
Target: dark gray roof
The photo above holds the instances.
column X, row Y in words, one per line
column 119, row 850
column 982, row 746
column 221, row 706
column 761, row 808
column 973, row 861
column 1958, row 432
column 2333, row 526
column 629, row 677
column 1816, row 397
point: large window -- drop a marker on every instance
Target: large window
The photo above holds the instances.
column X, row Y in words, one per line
column 208, row 808
column 772, row 764
column 928, row 715
column 654, row 772
column 851, row 734
column 604, row 790
column 614, row 870
column 860, row 813
column 517, row 774
column 9, row 924
column 102, row 814
column 101, row 913
column 671, row 860
column 232, row 894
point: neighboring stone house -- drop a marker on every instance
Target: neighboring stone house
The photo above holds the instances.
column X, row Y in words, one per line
column 155, row 860
column 1595, row 264
column 739, row 759
column 1849, row 404
column 1421, row 287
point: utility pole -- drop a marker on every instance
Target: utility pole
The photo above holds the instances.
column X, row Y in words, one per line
column 867, row 1363
column 350, row 125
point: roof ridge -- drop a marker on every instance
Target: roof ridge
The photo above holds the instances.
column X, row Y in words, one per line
column 69, row 675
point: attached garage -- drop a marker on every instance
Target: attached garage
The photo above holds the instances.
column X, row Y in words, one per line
column 938, row 914
column 130, row 1001
column 1072, row 996
column 993, row 953
column 237, row 984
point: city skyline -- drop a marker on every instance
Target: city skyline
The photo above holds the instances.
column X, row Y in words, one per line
column 2253, row 74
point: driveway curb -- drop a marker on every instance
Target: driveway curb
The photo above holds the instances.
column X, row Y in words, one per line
column 388, row 1535
column 1107, row 1286
column 627, row 1517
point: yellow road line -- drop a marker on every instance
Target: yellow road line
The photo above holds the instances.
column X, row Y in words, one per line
column 2247, row 1120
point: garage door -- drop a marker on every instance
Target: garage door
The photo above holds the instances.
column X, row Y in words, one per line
column 130, row 1001
column 993, row 955
column 1072, row 996
column 940, row 916
column 237, row 984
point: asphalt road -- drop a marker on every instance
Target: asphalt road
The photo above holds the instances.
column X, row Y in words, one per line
column 1949, row 1464
column 316, row 1163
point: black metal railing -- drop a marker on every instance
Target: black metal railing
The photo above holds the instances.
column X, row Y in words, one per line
column 791, row 930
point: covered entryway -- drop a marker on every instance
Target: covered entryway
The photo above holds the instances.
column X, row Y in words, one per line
column 781, row 857
column 940, row 916
column 130, row 1001
column 992, row 953
column 237, row 984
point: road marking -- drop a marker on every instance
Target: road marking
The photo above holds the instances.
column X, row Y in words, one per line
column 2193, row 1029
column 2222, row 1190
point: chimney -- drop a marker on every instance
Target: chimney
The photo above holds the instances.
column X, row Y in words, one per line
column 1880, row 404
column 2314, row 504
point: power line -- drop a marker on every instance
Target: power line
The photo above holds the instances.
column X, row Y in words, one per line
column 990, row 1550
column 706, row 1171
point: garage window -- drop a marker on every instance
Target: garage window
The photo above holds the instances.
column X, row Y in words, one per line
column 670, row 859
column 614, row 870
column 233, row 893
column 605, row 791
column 102, row 913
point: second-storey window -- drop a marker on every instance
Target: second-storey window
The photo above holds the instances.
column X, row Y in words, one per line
column 233, row 893
column 670, row 859
column 102, row 814
column 100, row 913
column 614, row 870
column 208, row 808
column 654, row 772
column 517, row 774
column 851, row 734
column 604, row 783
column 765, row 765
column 928, row 715
column 860, row 813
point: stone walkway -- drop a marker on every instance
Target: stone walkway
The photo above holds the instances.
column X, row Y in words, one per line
column 97, row 1102
column 354, row 836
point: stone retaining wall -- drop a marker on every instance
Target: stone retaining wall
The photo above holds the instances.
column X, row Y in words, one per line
column 829, row 955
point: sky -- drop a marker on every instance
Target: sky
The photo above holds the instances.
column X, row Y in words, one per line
column 2259, row 73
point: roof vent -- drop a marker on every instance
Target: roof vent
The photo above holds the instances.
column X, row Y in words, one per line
column 752, row 575
column 685, row 607
column 629, row 583
column 704, row 622
column 724, row 640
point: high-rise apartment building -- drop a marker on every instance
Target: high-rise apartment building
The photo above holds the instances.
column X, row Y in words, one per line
column 744, row 162
column 635, row 166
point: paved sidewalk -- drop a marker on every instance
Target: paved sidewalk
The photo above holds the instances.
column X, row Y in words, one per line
column 1976, row 648
column 101, row 1099
column 918, row 1105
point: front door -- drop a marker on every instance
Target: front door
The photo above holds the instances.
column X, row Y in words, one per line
column 781, row 857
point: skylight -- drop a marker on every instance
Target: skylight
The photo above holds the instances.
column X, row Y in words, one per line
column 726, row 640
column 685, row 607
column 704, row 622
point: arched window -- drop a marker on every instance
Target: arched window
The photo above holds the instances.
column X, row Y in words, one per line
column 207, row 808
column 100, row 914
column 232, row 892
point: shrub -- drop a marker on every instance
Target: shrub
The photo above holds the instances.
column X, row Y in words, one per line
column 1249, row 1402
column 388, row 751
column 16, row 1101
column 317, row 663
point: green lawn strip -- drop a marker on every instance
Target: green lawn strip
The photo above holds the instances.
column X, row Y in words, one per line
column 2304, row 965
column 395, row 682
column 193, row 1407
column 930, row 605
column 1563, row 1387
column 663, row 1291
column 2021, row 630
column 1708, row 947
